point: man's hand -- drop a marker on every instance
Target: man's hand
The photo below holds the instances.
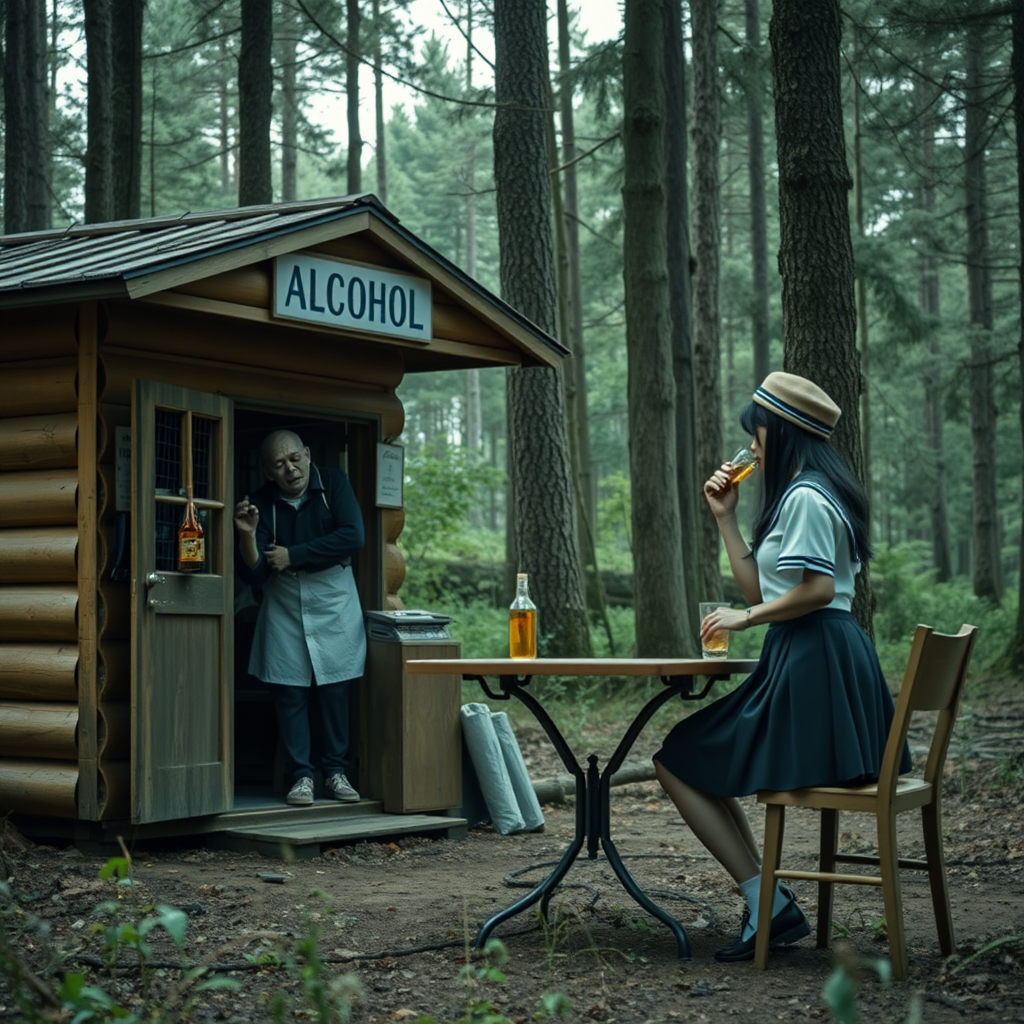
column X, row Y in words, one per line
column 277, row 557
column 247, row 517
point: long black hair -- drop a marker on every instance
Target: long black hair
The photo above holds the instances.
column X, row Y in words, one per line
column 788, row 450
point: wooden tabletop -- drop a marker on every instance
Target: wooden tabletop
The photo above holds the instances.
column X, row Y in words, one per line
column 582, row 666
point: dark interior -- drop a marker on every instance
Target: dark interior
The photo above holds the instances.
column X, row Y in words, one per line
column 350, row 445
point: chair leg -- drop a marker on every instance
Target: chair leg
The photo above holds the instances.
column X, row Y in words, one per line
column 774, row 828
column 931, row 823
column 828, row 845
column 888, row 862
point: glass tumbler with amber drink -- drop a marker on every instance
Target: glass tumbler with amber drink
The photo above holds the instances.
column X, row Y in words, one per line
column 743, row 463
column 716, row 645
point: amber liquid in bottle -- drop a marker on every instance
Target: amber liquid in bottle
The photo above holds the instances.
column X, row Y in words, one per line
column 522, row 622
column 191, row 547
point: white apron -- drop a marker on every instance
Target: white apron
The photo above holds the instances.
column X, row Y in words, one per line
column 310, row 624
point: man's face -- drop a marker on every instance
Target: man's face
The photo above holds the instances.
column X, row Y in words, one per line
column 287, row 465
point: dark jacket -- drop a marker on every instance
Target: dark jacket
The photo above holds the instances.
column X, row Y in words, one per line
column 327, row 530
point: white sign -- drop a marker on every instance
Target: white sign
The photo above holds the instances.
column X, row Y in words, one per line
column 353, row 295
column 122, row 469
column 390, row 474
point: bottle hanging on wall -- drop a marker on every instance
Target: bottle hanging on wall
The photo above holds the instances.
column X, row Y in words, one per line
column 522, row 622
column 191, row 547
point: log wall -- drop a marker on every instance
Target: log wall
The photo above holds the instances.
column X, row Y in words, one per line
column 68, row 379
column 65, row 738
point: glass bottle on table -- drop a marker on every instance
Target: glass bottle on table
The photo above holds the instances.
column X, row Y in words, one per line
column 522, row 621
column 191, row 547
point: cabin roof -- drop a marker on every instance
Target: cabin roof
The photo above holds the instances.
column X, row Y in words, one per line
column 133, row 259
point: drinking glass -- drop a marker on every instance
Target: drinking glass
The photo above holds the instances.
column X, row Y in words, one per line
column 744, row 462
column 716, row 645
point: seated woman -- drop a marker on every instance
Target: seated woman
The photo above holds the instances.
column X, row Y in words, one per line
column 816, row 709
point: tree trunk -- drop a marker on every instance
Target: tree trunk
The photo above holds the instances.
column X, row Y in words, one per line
column 657, row 544
column 691, row 503
column 707, row 140
column 760, row 331
column 355, row 139
column 928, row 300
column 573, row 338
column 99, row 148
column 863, row 328
column 127, row 109
column 987, row 570
column 255, row 88
column 1012, row 661
column 380, row 135
column 474, row 409
column 223, row 121
column 26, row 198
column 289, row 105
column 544, row 518
column 815, row 255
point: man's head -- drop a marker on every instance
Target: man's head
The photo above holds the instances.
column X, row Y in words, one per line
column 285, row 460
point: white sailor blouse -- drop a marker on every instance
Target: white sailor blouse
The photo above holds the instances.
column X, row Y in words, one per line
column 810, row 531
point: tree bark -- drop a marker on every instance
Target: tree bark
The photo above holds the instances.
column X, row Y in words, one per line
column 987, row 569
column 380, row 133
column 544, row 518
column 574, row 339
column 99, row 148
column 1012, row 659
column 255, row 88
column 26, row 195
column 760, row 331
column 657, row 543
column 691, row 503
column 815, row 254
column 929, row 301
column 126, row 132
column 354, row 164
column 707, row 141
column 289, row 105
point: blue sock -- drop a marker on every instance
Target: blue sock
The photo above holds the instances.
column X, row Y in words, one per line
column 751, row 889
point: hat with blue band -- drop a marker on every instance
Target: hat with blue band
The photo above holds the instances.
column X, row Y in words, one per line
column 799, row 401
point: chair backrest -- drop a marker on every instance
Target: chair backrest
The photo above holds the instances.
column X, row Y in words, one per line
column 933, row 681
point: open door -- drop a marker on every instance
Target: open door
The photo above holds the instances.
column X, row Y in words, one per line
column 182, row 655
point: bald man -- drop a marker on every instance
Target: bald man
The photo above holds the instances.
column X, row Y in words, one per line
column 297, row 536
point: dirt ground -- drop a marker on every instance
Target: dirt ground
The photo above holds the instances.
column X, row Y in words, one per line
column 390, row 921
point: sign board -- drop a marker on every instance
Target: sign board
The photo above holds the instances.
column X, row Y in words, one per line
column 354, row 296
column 390, row 474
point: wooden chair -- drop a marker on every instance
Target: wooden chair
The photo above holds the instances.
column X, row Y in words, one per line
column 933, row 681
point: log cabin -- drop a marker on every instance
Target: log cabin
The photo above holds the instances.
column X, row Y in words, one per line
column 135, row 355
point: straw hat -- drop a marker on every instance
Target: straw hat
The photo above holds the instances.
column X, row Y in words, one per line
column 800, row 401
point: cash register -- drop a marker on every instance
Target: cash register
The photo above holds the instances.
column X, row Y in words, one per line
column 407, row 625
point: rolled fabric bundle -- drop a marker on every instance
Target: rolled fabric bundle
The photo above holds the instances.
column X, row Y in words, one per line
column 489, row 762
column 522, row 787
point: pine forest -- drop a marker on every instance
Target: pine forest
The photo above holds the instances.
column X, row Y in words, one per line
column 722, row 188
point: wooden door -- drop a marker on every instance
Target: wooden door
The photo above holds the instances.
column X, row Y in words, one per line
column 182, row 652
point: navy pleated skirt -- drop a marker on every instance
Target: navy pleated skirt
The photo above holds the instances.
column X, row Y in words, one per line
column 814, row 712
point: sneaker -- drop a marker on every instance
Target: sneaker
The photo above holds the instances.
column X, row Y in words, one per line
column 341, row 789
column 301, row 793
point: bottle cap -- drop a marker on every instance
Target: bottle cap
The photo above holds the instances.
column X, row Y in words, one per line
column 521, row 575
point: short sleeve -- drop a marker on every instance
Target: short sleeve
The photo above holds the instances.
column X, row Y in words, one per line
column 809, row 531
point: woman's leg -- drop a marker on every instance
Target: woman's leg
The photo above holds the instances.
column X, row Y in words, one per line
column 718, row 823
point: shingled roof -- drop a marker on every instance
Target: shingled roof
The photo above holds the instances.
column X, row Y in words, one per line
column 135, row 258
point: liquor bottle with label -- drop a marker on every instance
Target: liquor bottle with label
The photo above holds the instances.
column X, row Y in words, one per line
column 522, row 622
column 191, row 547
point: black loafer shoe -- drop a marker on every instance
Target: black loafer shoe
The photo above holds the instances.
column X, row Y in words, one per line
column 788, row 926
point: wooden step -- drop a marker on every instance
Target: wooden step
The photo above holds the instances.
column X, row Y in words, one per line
column 306, row 838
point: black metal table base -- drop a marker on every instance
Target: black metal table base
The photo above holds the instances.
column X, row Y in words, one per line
column 593, row 802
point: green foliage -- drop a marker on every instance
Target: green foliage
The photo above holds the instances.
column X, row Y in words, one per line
column 439, row 490
column 906, row 594
column 477, row 977
column 841, row 988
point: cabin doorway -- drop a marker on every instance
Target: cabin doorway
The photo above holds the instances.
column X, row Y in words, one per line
column 345, row 443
